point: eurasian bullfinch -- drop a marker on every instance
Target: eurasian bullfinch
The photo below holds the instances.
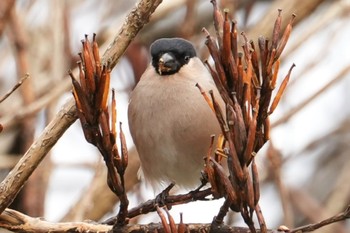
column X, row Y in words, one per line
column 170, row 121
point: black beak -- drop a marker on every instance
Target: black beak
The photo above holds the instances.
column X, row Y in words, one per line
column 167, row 64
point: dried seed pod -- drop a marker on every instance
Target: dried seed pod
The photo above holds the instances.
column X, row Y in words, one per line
column 218, row 84
column 96, row 54
column 218, row 112
column 274, row 75
column 245, row 106
column 89, row 50
column 89, row 69
column 281, row 90
column 171, row 221
column 206, row 97
column 124, row 149
column 181, row 226
column 213, row 179
column 220, row 173
column 80, row 98
column 233, row 164
column 266, row 130
column 114, row 116
column 239, row 129
column 82, row 77
column 218, row 21
column 249, row 192
column 101, row 97
column 255, row 178
column 163, row 220
column 214, row 51
column 226, row 40
column 234, row 47
column 117, row 161
column 255, row 63
column 251, row 135
column 285, row 37
column 104, row 125
column 270, row 62
column 263, row 52
column 113, row 180
column 276, row 30
column 245, row 46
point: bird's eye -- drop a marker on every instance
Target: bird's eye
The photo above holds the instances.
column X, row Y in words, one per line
column 187, row 58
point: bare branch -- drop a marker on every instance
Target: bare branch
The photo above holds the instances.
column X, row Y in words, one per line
column 312, row 227
column 18, row 84
column 18, row 222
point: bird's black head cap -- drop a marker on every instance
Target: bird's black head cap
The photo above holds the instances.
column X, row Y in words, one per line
column 170, row 54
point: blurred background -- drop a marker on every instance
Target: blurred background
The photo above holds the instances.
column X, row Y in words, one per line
column 304, row 169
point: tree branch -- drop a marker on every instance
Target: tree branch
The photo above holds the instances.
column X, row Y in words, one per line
column 312, row 227
column 18, row 222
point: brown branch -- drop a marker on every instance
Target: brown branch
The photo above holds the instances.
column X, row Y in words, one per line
column 191, row 227
column 18, row 84
column 134, row 22
column 12, row 184
column 18, row 222
column 164, row 199
column 312, row 227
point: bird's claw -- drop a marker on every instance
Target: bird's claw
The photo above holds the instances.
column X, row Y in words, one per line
column 160, row 199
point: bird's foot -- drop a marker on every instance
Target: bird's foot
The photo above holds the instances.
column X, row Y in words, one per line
column 161, row 198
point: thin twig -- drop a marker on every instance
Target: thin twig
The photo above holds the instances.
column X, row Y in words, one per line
column 312, row 227
column 18, row 84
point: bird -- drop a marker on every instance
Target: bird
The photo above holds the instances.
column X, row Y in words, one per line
column 170, row 122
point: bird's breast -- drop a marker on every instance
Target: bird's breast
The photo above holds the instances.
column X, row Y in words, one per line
column 171, row 125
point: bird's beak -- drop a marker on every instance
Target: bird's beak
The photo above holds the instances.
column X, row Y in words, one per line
column 167, row 63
